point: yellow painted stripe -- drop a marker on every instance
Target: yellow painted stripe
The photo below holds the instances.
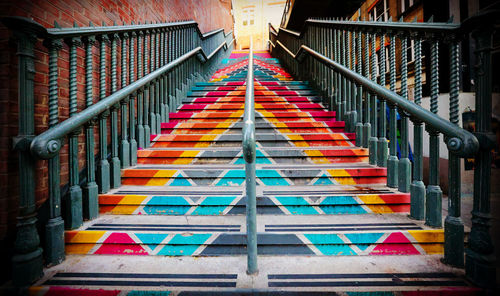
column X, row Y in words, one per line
column 132, row 200
column 428, row 236
column 79, row 248
column 86, row 236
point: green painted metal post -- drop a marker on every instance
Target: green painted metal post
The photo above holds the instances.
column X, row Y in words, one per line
column 54, row 229
column 27, row 265
column 158, row 107
column 90, row 190
column 404, row 165
column 103, row 169
column 373, row 140
column 140, row 95
column 358, row 110
column 338, row 79
column 115, row 159
column 417, row 188
column 73, row 205
column 480, row 254
column 152, row 86
column 434, row 195
column 367, row 127
column 162, row 80
column 146, row 94
column 392, row 162
column 453, row 225
column 382, row 144
column 131, row 116
column 250, row 178
column 349, row 95
column 124, row 143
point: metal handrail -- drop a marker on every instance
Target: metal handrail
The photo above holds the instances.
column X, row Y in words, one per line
column 47, row 144
column 459, row 141
column 249, row 154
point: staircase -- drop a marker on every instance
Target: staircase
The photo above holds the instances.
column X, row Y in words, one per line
column 326, row 220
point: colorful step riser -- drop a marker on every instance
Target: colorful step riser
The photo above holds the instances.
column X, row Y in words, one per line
column 256, row 93
column 263, row 99
column 263, row 156
column 271, row 107
column 209, row 243
column 266, row 205
column 238, row 114
column 268, row 177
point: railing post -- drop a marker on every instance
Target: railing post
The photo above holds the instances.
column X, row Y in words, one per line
column 392, row 162
column 434, row 195
column 372, row 140
column 453, row 225
column 54, row 229
column 480, row 256
column 103, row 170
column 131, row 109
column 115, row 160
column 124, row 143
column 417, row 188
column 140, row 95
column 27, row 264
column 90, row 190
column 366, row 126
column 404, row 164
column 250, row 183
column 146, row 95
column 73, row 206
column 382, row 144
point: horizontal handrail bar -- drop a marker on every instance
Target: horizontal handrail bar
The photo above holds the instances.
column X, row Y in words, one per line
column 62, row 33
column 459, row 141
column 47, row 144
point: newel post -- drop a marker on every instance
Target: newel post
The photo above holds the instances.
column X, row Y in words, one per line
column 27, row 262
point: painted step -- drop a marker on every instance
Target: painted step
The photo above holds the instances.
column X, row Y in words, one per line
column 268, row 175
column 383, row 202
column 259, row 116
column 226, row 240
column 106, row 275
column 224, row 107
column 263, row 83
column 280, row 93
column 261, row 127
column 260, row 99
column 263, row 156
column 257, row 86
column 265, row 140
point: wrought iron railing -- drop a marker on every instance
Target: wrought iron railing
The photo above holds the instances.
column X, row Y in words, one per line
column 339, row 58
column 158, row 64
column 249, row 154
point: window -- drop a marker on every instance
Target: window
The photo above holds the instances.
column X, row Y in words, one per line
column 248, row 16
column 410, row 50
column 406, row 4
column 380, row 12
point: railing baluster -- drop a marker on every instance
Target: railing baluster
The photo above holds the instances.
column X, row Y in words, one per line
column 382, row 145
column 131, row 119
column 417, row 188
column 115, row 159
column 392, row 162
column 404, row 165
column 157, row 83
column 434, row 194
column 90, row 191
column 366, row 133
column 124, row 143
column 453, row 225
column 358, row 116
column 103, row 169
column 152, row 86
column 54, row 229
column 372, row 140
column 141, row 142
column 73, row 207
column 146, row 93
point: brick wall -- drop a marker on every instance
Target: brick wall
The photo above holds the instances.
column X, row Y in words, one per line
column 209, row 14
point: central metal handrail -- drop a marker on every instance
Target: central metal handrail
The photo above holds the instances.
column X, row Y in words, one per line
column 250, row 179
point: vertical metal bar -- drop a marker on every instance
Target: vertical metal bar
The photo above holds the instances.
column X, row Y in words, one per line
column 453, row 225
column 480, row 255
column 367, row 127
column 157, row 83
column 146, row 93
column 152, row 86
column 54, row 229
column 417, row 188
column 372, row 140
column 103, row 169
column 124, row 143
column 382, row 144
column 358, row 117
column 404, row 165
column 73, row 209
column 140, row 95
column 162, row 79
column 250, row 178
column 392, row 162
column 131, row 120
column 434, row 194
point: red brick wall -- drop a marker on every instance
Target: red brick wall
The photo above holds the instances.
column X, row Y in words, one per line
column 209, row 14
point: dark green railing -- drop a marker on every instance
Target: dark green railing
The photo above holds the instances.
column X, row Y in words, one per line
column 248, row 144
column 332, row 55
column 157, row 63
